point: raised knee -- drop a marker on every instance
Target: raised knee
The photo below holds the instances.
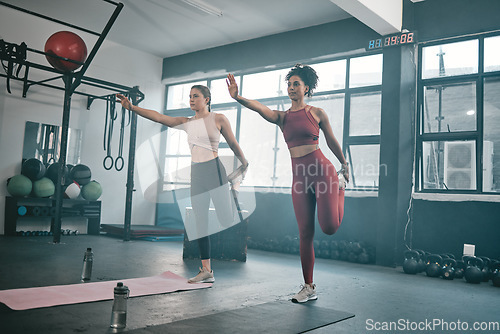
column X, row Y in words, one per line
column 330, row 230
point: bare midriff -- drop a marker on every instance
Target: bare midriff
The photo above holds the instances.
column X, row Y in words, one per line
column 200, row 154
column 300, row 151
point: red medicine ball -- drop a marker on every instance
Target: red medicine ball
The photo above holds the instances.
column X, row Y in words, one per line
column 68, row 45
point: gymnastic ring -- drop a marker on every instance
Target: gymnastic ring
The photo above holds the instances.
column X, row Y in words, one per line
column 116, row 163
column 108, row 157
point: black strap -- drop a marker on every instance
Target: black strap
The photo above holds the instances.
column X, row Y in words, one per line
column 111, row 106
column 120, row 147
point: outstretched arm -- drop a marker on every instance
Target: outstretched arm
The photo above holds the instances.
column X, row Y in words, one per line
column 273, row 116
column 331, row 141
column 151, row 114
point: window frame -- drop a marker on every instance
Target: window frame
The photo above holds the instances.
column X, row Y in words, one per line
column 456, row 136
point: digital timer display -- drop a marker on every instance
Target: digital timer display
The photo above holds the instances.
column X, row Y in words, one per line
column 392, row 40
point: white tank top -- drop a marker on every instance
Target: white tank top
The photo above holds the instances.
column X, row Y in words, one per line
column 203, row 132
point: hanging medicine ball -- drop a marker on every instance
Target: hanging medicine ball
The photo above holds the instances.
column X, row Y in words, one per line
column 19, row 186
column 52, row 171
column 33, row 168
column 81, row 174
column 43, row 187
column 65, row 44
column 91, row 191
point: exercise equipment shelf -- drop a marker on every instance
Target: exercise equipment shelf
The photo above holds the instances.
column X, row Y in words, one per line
column 74, row 208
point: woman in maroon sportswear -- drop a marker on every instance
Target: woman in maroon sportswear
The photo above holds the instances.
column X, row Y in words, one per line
column 315, row 180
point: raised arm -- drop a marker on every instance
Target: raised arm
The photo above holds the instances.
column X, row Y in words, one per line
column 331, row 141
column 273, row 116
column 151, row 114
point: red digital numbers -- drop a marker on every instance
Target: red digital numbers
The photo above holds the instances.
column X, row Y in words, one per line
column 404, row 38
column 409, row 38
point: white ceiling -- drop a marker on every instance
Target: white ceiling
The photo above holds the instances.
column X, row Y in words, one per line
column 168, row 28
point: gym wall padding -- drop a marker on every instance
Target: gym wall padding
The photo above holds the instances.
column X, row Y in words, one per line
column 444, row 227
column 274, row 218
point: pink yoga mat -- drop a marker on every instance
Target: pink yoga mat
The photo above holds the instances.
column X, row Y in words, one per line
column 25, row 299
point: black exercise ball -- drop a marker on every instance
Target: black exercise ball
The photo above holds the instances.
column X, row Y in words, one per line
column 52, row 171
column 81, row 174
column 33, row 168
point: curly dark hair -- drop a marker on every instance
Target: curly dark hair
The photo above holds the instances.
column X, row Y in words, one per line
column 307, row 74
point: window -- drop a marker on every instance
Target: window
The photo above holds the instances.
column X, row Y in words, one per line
column 178, row 95
column 349, row 91
column 459, row 117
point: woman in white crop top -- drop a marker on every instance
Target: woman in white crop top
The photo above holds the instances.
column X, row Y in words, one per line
column 203, row 130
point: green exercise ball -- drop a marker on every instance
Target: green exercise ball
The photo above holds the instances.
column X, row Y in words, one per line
column 43, row 187
column 91, row 191
column 19, row 186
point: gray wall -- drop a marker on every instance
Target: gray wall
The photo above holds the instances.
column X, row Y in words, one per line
column 285, row 48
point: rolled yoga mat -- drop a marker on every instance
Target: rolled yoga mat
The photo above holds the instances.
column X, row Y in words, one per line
column 47, row 296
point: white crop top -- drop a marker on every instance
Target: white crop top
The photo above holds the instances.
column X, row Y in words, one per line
column 203, row 132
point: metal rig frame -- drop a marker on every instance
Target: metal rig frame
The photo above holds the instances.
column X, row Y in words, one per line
column 17, row 54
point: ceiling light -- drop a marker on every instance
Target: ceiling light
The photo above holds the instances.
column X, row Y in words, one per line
column 471, row 112
column 204, row 7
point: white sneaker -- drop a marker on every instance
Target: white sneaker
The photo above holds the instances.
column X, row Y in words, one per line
column 204, row 276
column 308, row 292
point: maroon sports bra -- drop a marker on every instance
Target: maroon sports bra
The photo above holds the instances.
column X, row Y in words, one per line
column 300, row 127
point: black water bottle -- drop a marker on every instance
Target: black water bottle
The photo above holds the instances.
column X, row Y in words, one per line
column 119, row 312
column 88, row 259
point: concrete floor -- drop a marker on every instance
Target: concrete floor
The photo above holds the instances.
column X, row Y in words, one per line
column 376, row 295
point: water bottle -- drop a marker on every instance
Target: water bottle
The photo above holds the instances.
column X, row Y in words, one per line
column 119, row 313
column 88, row 259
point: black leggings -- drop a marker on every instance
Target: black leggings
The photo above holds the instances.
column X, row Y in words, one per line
column 205, row 178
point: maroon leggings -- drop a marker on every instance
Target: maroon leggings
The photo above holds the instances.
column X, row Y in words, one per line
column 315, row 182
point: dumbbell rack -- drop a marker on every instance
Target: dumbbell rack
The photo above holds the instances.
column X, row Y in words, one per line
column 43, row 208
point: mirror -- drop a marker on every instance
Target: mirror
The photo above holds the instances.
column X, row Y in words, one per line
column 43, row 141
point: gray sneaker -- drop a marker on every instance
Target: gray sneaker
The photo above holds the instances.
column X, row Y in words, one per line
column 308, row 292
column 204, row 276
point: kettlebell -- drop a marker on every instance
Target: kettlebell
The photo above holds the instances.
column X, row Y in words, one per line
column 473, row 271
column 459, row 269
column 410, row 264
column 421, row 262
column 448, row 268
column 496, row 273
column 486, row 268
column 433, row 268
